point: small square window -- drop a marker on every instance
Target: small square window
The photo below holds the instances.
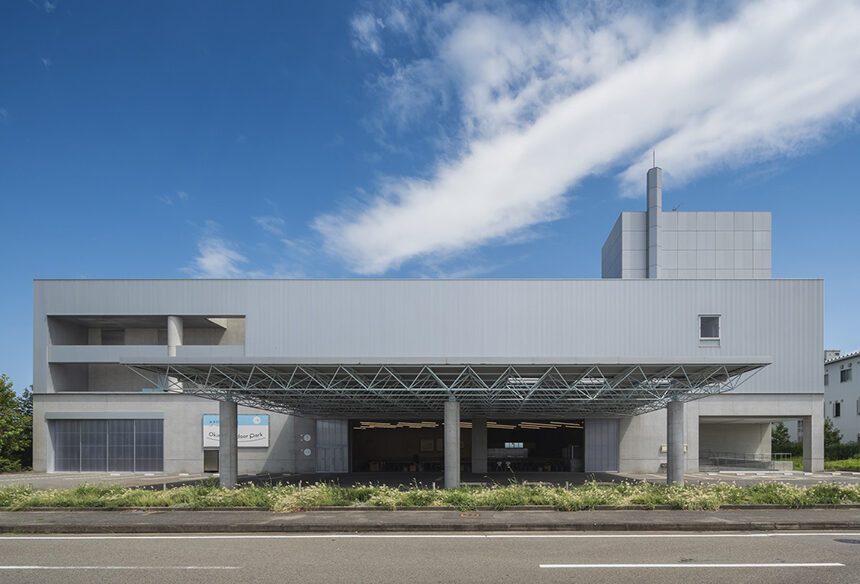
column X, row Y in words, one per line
column 844, row 375
column 709, row 327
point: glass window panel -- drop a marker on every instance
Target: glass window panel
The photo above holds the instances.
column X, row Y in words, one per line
column 121, row 445
column 148, row 445
column 93, row 445
column 108, row 445
column 67, row 445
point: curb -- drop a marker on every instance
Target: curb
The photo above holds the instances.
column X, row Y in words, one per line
column 435, row 528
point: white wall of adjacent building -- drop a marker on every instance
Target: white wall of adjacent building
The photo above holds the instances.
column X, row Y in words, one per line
column 842, row 395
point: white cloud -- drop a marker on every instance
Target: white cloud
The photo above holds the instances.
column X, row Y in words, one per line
column 216, row 258
column 546, row 101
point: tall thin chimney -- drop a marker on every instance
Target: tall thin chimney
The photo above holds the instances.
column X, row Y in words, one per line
column 655, row 221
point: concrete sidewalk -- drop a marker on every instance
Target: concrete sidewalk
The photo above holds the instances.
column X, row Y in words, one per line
column 185, row 521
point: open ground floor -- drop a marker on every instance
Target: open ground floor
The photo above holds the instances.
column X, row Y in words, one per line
column 147, row 433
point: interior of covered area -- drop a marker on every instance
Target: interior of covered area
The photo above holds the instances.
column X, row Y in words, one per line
column 511, row 445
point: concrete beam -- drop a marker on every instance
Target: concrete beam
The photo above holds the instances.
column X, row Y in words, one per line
column 452, row 444
column 676, row 458
column 228, row 445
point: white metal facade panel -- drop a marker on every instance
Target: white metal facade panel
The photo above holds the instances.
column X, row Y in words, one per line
column 332, row 446
column 456, row 320
column 601, row 444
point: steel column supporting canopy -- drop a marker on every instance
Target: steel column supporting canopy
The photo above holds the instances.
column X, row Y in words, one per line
column 420, row 390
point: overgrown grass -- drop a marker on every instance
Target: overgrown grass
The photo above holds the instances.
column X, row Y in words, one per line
column 846, row 464
column 294, row 498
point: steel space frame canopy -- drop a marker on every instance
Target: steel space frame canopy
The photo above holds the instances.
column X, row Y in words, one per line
column 528, row 390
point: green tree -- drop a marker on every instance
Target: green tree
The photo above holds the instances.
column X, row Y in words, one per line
column 16, row 427
column 780, row 441
column 832, row 436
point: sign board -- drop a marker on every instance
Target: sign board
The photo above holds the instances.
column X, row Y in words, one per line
column 253, row 431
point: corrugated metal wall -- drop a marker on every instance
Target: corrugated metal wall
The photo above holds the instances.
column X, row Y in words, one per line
column 601, row 445
column 332, row 446
column 465, row 320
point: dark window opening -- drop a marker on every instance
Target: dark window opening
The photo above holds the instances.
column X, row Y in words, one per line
column 709, row 327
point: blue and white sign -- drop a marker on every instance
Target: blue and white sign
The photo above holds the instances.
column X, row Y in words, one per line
column 253, row 431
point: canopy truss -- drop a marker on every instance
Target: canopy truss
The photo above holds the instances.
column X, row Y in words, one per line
column 523, row 390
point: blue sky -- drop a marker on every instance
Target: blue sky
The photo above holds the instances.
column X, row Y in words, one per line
column 414, row 139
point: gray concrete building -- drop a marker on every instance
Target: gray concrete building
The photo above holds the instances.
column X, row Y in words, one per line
column 685, row 350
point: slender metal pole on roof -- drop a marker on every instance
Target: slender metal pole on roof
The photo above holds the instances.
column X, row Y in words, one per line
column 452, row 444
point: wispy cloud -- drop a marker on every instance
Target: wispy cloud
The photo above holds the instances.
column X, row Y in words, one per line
column 221, row 257
column 544, row 101
column 45, row 6
column 366, row 30
column 271, row 224
column 170, row 199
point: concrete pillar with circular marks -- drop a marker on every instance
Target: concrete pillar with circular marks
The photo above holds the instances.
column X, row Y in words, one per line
column 452, row 444
column 676, row 458
column 228, row 444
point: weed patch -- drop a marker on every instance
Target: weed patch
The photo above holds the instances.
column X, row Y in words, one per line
column 295, row 498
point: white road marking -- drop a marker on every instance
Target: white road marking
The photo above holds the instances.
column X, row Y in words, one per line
column 119, row 568
column 768, row 565
column 425, row 536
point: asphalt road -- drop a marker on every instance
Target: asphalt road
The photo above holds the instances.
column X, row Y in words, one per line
column 759, row 558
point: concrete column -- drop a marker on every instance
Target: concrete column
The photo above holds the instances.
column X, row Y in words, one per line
column 228, row 445
column 676, row 458
column 655, row 221
column 175, row 331
column 452, row 444
column 479, row 445
column 813, row 443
